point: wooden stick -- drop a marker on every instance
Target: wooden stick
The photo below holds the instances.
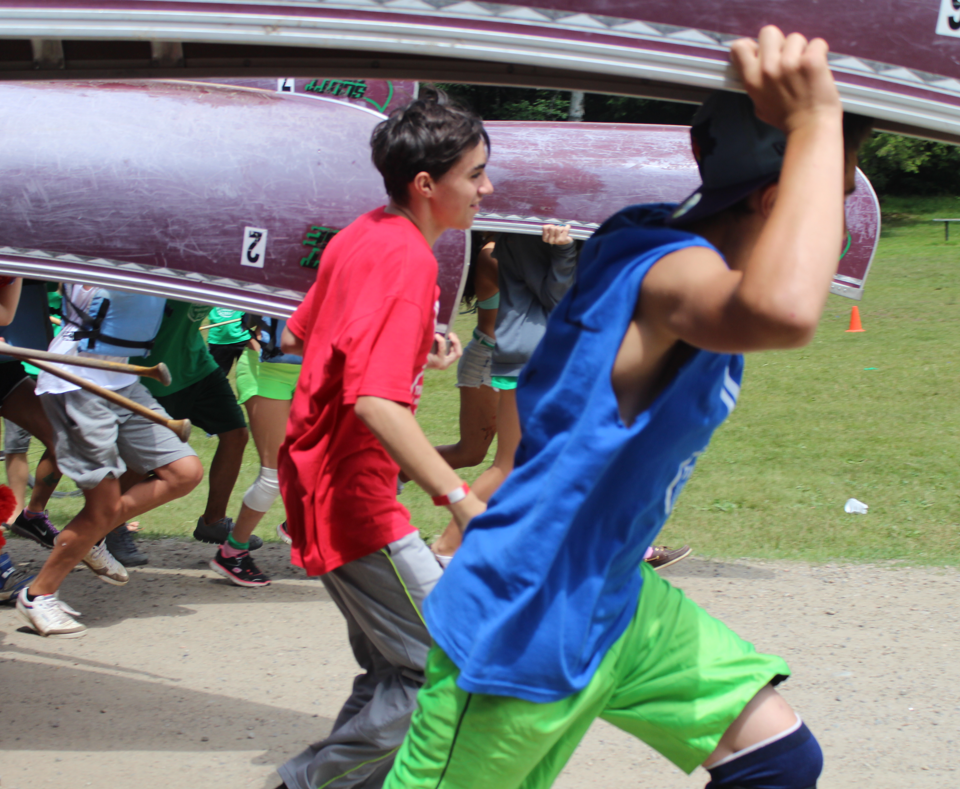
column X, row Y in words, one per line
column 55, row 320
column 181, row 427
column 158, row 372
column 214, row 325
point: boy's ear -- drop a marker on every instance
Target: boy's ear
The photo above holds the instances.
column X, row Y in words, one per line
column 421, row 185
column 768, row 198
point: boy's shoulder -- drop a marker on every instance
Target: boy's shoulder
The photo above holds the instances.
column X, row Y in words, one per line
column 629, row 236
column 382, row 245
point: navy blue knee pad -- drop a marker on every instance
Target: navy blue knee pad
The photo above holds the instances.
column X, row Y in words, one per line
column 794, row 762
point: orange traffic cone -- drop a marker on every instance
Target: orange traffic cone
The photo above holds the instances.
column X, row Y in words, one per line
column 855, row 324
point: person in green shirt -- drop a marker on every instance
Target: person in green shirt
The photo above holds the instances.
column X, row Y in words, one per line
column 201, row 393
column 228, row 337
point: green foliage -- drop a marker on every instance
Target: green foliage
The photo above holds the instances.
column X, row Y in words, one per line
column 495, row 103
column 899, row 165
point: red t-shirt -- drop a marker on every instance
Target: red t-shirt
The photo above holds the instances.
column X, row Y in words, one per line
column 367, row 325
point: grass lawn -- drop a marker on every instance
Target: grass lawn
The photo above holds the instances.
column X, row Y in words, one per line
column 872, row 416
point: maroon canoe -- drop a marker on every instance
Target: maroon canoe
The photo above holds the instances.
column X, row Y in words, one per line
column 227, row 194
column 212, row 193
column 896, row 60
column 581, row 173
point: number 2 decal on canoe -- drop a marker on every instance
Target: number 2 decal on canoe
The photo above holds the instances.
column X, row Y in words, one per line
column 948, row 23
column 254, row 247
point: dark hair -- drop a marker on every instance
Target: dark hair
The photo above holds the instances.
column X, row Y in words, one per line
column 430, row 134
column 856, row 129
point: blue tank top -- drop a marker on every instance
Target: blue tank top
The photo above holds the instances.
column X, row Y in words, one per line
column 270, row 332
column 548, row 578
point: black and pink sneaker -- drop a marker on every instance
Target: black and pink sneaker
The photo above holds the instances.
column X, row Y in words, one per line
column 239, row 569
column 39, row 528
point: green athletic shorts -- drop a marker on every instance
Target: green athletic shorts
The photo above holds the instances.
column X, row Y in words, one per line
column 278, row 381
column 504, row 381
column 209, row 404
column 267, row 379
column 676, row 679
column 248, row 371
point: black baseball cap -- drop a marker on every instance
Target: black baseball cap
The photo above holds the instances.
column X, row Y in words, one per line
column 736, row 152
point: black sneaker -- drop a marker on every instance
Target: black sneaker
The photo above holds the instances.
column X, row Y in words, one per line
column 120, row 543
column 662, row 556
column 216, row 533
column 38, row 529
column 240, row 569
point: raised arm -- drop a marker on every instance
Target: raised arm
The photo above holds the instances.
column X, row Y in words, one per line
column 9, row 299
column 548, row 283
column 783, row 254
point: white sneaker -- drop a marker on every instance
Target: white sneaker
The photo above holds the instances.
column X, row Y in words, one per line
column 108, row 569
column 48, row 616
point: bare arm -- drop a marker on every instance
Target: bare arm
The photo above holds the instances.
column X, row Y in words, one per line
column 290, row 343
column 487, row 282
column 552, row 284
column 397, row 429
column 775, row 298
column 9, row 299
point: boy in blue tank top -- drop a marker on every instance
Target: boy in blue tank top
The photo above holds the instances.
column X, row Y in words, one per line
column 547, row 618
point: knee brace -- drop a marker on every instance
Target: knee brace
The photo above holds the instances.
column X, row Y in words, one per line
column 792, row 760
column 264, row 490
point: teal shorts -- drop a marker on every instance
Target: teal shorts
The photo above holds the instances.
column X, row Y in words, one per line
column 502, row 382
column 676, row 679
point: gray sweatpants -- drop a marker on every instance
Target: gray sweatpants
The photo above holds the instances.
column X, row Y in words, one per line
column 381, row 597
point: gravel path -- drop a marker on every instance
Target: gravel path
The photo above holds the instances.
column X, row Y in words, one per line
column 185, row 680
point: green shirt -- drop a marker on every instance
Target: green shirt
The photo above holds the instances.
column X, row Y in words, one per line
column 232, row 332
column 181, row 347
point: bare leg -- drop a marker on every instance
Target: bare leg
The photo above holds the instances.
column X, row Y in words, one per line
column 766, row 715
column 101, row 505
column 104, row 507
column 268, row 423
column 23, row 408
column 18, row 472
column 508, row 439
column 224, row 470
column 478, row 426
column 167, row 483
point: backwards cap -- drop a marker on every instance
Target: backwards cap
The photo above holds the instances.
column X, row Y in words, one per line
column 736, row 152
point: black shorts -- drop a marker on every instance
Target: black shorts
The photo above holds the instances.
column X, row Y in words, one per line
column 210, row 404
column 226, row 355
column 11, row 376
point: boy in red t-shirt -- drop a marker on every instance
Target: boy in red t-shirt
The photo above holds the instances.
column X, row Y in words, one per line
column 365, row 330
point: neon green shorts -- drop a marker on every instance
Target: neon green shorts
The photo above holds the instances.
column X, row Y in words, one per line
column 278, row 381
column 676, row 679
column 248, row 371
column 267, row 379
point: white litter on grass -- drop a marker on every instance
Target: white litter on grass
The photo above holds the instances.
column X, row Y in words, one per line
column 853, row 505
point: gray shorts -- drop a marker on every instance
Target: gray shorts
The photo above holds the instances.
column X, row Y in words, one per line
column 16, row 440
column 473, row 369
column 97, row 439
